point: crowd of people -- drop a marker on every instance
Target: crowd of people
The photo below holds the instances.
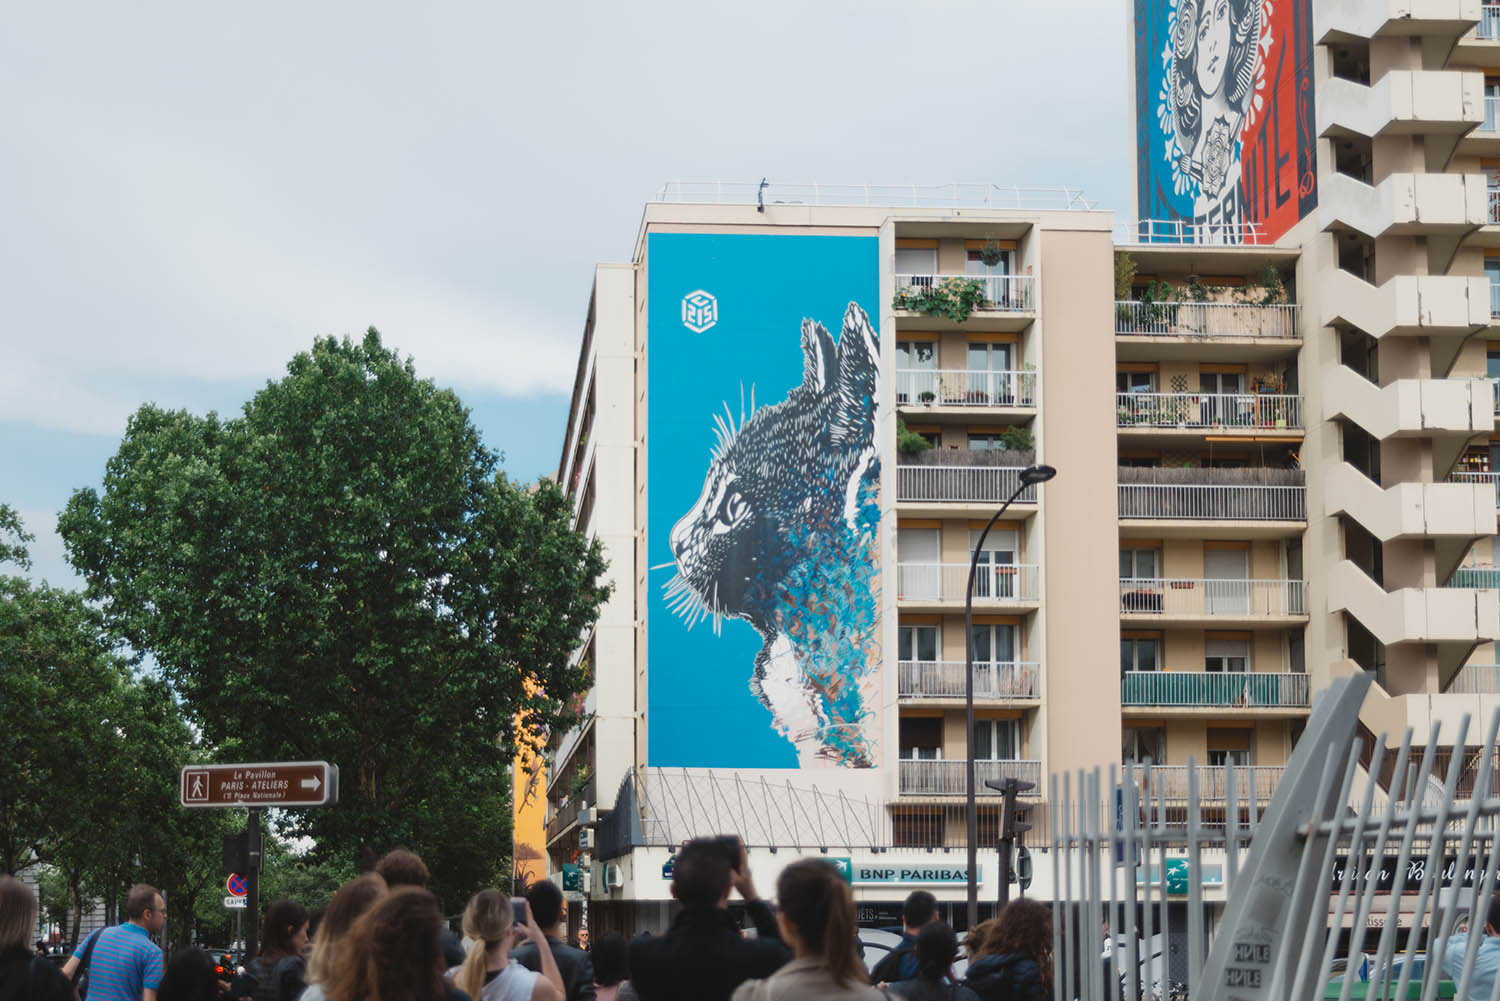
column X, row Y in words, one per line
column 382, row 937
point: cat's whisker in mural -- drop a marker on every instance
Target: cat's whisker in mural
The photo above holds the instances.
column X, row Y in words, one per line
column 663, row 566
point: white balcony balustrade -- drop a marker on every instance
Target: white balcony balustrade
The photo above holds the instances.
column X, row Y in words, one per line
column 1212, row 502
column 1236, row 599
column 1494, row 193
column 1489, row 22
column 1491, row 114
column 1214, row 690
column 1001, row 293
column 961, row 484
column 1476, row 679
column 1206, row 319
column 994, row 583
column 1181, row 231
column 1204, row 411
column 949, row 778
column 941, row 387
column 944, row 679
column 1490, row 479
column 1494, row 299
column 1213, row 781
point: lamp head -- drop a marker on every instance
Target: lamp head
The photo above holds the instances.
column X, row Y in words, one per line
column 1037, row 474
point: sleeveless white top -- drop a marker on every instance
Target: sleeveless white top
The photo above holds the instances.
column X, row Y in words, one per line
column 514, row 983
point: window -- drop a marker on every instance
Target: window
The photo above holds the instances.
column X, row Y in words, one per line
column 986, row 357
column 996, row 740
column 1492, row 272
column 917, row 643
column 1143, row 743
column 975, row 264
column 995, row 576
column 1229, row 746
column 1140, row 653
column 918, row 573
column 1226, row 655
column 1224, row 402
column 1296, row 652
column 1229, row 756
column 917, row 261
column 1135, row 382
column 1140, row 564
column 921, row 738
column 915, row 361
column 988, row 441
column 1491, row 99
column 1492, row 363
column 994, row 644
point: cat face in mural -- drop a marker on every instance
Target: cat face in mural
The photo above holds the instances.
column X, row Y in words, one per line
column 784, row 536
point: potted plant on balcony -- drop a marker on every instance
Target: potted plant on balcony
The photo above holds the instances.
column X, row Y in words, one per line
column 910, row 442
column 927, row 396
column 992, row 254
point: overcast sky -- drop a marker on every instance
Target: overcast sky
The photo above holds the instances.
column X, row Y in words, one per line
column 190, row 192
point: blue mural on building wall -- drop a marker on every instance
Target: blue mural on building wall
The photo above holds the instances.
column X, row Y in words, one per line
column 763, row 501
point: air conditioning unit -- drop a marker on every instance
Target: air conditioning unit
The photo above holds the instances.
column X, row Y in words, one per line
column 588, row 882
column 614, row 876
column 585, row 838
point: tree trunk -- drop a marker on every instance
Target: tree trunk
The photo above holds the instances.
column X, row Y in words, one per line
column 75, row 896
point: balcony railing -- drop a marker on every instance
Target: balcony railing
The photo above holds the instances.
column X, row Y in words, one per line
column 1206, row 319
column 1240, row 599
column 1489, row 22
column 1002, row 293
column 1180, row 231
column 1476, row 679
column 993, row 583
column 1491, row 480
column 1494, row 298
column 1491, row 114
column 1213, row 781
column 1494, row 193
column 1212, row 502
column 961, row 484
column 948, row 778
column 944, row 679
column 1214, row 689
column 965, row 388
column 1208, row 410
column 1480, row 577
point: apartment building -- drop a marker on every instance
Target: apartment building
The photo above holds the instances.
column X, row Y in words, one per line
column 1293, row 477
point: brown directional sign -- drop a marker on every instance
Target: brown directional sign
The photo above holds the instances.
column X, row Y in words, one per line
column 275, row 783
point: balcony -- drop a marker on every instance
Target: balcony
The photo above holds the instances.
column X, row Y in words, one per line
column 944, row 679
column 1199, row 598
column 965, row 388
column 1475, row 679
column 1493, row 194
column 948, row 778
column 1159, row 497
column 1491, row 480
column 1213, row 690
column 1218, row 412
column 1206, row 320
column 1213, row 781
column 1488, row 28
column 564, row 818
column 922, row 484
column 1478, row 577
column 944, row 583
column 996, row 293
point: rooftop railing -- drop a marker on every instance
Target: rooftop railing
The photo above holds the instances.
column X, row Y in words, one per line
column 1233, row 598
column 1000, row 293
column 949, row 778
column 1214, row 689
column 1477, row 577
column 961, row 484
column 944, row 679
column 1212, row 502
column 1181, row 231
column 1206, row 319
column 947, row 387
column 942, row 582
column 1208, row 410
column 940, row 196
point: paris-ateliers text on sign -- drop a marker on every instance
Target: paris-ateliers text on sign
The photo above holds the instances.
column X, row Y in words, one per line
column 276, row 783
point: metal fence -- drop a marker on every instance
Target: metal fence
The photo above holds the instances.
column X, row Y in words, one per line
column 1489, row 22
column 994, row 583
column 1208, row 410
column 1003, row 293
column 972, row 196
column 961, row 484
column 1234, row 598
column 1476, row 577
column 1206, row 319
column 945, row 679
column 965, row 388
column 1491, row 480
column 1214, row 689
column 1212, row 502
column 1175, row 231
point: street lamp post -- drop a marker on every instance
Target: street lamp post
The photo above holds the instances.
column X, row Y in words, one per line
column 1030, row 476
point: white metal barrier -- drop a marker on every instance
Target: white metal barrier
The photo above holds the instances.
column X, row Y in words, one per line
column 1208, row 410
column 1206, row 319
column 1006, row 293
column 1476, row 679
column 987, row 196
column 1233, row 597
column 994, row 583
column 1150, row 231
column 1212, row 501
column 961, row 484
column 950, row 387
column 944, row 679
column 1489, row 22
column 949, row 778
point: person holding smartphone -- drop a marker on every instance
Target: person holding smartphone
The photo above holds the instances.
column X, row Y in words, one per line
column 703, row 957
column 489, row 972
column 545, row 902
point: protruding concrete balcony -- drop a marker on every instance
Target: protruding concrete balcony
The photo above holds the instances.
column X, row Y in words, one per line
column 1214, row 602
column 1336, row 20
column 1404, row 204
column 1257, row 781
column 940, row 586
column 1194, row 692
column 994, row 681
column 1403, row 102
column 949, row 778
column 959, row 484
column 1489, row 480
column 1446, row 308
column 1206, row 320
column 1449, row 411
column 1453, row 515
column 1221, row 413
column 960, row 392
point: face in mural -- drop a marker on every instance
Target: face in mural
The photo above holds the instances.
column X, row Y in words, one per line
column 1213, row 46
column 784, row 536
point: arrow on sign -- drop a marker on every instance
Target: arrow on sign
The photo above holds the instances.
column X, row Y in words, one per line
column 311, row 783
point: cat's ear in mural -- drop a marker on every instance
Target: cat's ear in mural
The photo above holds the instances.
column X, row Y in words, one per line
column 817, row 357
column 859, row 366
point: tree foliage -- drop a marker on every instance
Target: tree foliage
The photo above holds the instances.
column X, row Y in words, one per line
column 339, row 573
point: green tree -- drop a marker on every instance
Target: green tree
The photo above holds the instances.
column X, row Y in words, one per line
column 13, row 538
column 341, row 574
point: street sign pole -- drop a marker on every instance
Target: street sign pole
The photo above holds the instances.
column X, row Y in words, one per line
column 252, row 884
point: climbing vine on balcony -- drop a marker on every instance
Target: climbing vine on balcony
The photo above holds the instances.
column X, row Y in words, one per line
column 951, row 298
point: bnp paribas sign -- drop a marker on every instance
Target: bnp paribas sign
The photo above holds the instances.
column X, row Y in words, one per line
column 917, row 874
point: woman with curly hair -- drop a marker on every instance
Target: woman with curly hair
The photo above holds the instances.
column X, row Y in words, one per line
column 348, row 905
column 394, row 953
column 1015, row 963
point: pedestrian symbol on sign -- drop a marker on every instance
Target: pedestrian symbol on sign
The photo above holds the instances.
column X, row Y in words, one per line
column 196, row 786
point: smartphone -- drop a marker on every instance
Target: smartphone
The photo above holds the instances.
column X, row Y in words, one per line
column 730, row 843
column 518, row 907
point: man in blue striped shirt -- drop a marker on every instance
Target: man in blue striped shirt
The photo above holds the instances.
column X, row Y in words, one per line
column 125, row 964
column 1487, row 959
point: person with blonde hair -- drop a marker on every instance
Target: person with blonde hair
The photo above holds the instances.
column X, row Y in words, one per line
column 394, row 952
column 349, row 903
column 24, row 976
column 489, row 973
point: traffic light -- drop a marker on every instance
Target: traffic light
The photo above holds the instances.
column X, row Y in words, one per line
column 1013, row 815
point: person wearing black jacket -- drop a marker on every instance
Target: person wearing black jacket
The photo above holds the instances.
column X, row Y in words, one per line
column 23, row 976
column 703, row 957
column 546, row 901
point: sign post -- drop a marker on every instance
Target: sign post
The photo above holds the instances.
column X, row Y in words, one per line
column 257, row 786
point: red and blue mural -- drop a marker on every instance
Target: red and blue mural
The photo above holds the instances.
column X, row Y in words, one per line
column 1225, row 149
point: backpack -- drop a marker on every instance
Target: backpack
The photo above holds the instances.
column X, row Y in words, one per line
column 81, row 978
column 892, row 972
